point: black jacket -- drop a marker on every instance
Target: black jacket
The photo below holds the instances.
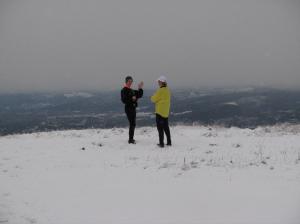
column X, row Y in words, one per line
column 127, row 94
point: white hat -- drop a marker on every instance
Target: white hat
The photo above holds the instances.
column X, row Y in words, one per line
column 162, row 78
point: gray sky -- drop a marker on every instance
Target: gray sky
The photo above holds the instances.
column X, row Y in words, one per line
column 66, row 45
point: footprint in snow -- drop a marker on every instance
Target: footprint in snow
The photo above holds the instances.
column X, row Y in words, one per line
column 194, row 164
column 209, row 152
column 166, row 165
column 185, row 167
column 97, row 144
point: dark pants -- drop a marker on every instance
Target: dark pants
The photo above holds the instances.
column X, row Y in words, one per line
column 163, row 127
column 131, row 116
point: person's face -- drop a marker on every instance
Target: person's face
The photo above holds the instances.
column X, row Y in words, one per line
column 160, row 83
column 129, row 82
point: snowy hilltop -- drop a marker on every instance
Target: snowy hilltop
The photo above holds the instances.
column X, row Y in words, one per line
column 210, row 175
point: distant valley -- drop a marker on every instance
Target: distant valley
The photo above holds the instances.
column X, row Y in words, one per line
column 241, row 107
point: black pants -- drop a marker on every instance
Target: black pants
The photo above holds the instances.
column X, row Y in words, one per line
column 163, row 127
column 131, row 116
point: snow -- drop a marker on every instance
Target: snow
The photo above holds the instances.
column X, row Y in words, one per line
column 182, row 113
column 144, row 114
column 210, row 175
column 231, row 103
column 79, row 94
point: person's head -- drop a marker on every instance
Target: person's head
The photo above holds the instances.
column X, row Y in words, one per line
column 162, row 81
column 128, row 80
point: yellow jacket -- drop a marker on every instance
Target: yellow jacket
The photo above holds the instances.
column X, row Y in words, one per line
column 162, row 100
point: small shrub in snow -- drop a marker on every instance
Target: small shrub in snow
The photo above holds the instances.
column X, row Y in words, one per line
column 264, row 162
column 236, row 145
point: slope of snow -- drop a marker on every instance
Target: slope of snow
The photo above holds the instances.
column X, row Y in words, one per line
column 210, row 175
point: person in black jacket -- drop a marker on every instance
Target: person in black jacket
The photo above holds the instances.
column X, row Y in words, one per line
column 130, row 97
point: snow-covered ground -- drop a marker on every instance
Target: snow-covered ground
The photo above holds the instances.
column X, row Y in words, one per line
column 210, row 175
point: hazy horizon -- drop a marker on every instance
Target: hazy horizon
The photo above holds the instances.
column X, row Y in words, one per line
column 65, row 46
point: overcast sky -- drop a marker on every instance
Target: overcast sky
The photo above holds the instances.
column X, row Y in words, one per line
column 69, row 45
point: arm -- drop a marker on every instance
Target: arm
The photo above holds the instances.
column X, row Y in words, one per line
column 139, row 93
column 156, row 97
column 126, row 99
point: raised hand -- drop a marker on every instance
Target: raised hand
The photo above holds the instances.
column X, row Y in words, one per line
column 141, row 85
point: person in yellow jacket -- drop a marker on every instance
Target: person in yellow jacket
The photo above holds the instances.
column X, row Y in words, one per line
column 162, row 100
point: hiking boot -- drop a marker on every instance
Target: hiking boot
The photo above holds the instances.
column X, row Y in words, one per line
column 160, row 145
column 169, row 144
column 131, row 141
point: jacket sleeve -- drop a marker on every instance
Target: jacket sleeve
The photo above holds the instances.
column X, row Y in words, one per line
column 125, row 97
column 156, row 97
column 139, row 93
